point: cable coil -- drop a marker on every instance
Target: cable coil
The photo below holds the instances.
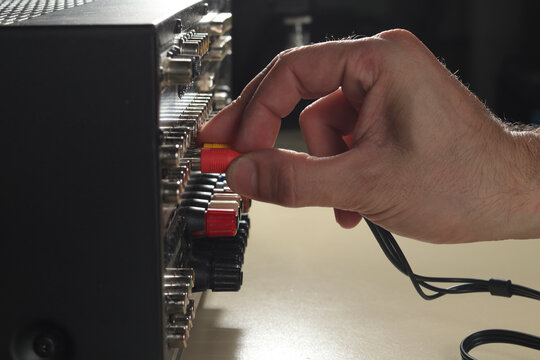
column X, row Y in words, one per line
column 497, row 336
column 496, row 287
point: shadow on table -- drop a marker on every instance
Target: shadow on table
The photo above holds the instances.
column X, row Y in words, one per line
column 207, row 340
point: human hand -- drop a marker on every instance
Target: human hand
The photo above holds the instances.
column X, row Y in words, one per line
column 393, row 137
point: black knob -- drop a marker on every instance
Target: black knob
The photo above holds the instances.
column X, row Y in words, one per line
column 218, row 275
column 203, row 181
column 199, row 187
column 227, row 279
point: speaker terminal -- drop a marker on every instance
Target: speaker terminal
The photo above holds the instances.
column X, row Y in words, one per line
column 205, row 224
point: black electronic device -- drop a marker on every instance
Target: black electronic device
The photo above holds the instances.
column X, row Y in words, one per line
column 99, row 102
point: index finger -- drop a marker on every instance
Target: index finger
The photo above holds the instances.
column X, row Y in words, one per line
column 305, row 73
column 222, row 128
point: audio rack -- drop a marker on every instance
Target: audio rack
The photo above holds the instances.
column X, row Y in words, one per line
column 110, row 231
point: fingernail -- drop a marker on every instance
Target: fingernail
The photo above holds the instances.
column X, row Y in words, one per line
column 242, row 176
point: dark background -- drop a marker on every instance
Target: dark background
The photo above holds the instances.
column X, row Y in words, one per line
column 493, row 45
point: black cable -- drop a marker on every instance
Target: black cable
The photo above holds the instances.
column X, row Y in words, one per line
column 496, row 287
column 497, row 336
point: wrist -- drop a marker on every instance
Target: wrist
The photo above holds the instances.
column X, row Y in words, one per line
column 524, row 192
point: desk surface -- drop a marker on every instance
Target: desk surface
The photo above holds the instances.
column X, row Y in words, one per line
column 315, row 291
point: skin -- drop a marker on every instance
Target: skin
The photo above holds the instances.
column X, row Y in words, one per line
column 393, row 136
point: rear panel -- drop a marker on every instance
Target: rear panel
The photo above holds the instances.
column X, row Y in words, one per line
column 88, row 232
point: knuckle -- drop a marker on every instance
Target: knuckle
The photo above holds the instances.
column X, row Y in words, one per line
column 284, row 56
column 305, row 115
column 238, row 100
column 288, row 58
column 368, row 62
column 276, row 61
column 398, row 36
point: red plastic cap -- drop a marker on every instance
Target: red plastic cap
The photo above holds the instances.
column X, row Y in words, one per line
column 221, row 222
column 216, row 160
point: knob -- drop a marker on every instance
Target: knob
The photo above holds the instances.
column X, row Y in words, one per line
column 203, row 180
column 217, row 275
column 210, row 222
column 227, row 279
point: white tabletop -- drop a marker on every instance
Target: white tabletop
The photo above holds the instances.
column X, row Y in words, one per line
column 315, row 291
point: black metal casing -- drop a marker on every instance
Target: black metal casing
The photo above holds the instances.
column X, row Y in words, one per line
column 81, row 249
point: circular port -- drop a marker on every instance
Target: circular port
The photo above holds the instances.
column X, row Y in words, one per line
column 43, row 341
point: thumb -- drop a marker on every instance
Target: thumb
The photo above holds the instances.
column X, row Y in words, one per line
column 293, row 179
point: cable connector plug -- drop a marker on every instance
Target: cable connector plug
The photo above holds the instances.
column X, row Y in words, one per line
column 216, row 160
column 212, row 160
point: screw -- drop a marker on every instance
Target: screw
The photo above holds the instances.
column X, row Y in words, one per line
column 45, row 346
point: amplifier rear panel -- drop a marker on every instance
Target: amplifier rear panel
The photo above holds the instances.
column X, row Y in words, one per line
column 96, row 253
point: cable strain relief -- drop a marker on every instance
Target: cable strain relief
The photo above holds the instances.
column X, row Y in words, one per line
column 500, row 287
